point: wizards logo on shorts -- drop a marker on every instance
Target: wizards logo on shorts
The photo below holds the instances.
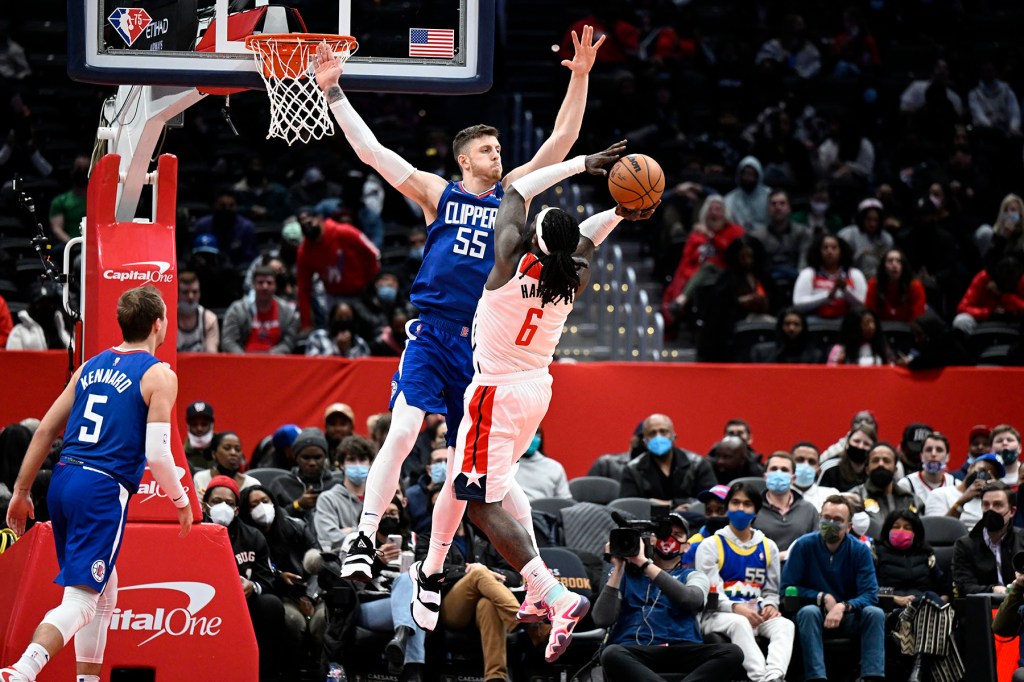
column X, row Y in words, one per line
column 99, row 570
column 129, row 22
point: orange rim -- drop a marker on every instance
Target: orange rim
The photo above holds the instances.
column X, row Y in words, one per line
column 286, row 55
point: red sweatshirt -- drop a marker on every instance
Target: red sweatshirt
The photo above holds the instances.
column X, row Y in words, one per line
column 912, row 309
column 979, row 302
column 345, row 259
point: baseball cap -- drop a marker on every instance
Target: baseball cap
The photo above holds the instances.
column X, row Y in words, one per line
column 223, row 482
column 719, row 491
column 913, row 437
column 199, row 409
column 335, row 408
column 995, row 459
column 979, row 430
column 678, row 519
column 309, row 437
column 205, row 243
column 285, row 436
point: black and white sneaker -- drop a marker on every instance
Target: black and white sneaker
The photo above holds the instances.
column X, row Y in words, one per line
column 358, row 563
column 426, row 596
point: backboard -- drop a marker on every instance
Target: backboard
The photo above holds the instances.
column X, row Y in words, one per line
column 443, row 46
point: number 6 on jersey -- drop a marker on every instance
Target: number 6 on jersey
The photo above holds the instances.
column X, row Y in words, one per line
column 529, row 329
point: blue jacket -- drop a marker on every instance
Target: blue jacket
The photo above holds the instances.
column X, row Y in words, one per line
column 848, row 575
column 649, row 618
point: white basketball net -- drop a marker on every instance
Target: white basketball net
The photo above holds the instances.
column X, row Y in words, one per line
column 298, row 108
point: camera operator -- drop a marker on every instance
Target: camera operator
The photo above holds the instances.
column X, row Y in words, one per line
column 653, row 606
column 1008, row 622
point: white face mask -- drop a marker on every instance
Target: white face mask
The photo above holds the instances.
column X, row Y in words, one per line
column 222, row 514
column 200, row 442
column 861, row 522
column 263, row 513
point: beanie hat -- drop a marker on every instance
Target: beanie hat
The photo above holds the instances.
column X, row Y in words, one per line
column 309, row 437
column 223, row 482
column 285, row 436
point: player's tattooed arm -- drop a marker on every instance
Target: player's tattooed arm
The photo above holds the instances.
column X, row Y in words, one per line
column 334, row 94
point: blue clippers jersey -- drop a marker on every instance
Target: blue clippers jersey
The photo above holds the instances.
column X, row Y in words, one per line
column 107, row 425
column 458, row 255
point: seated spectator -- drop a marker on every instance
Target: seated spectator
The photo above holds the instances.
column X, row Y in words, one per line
column 837, row 574
column 279, row 454
column 778, row 143
column 539, row 475
column 715, row 519
column 199, row 443
column 983, row 559
column 792, row 51
column 783, row 515
column 289, row 540
column 432, row 437
column 612, row 464
column 785, row 240
column 913, row 97
column 866, row 238
column 819, row 217
column 667, row 475
column 339, row 424
column 198, row 329
column 730, row 459
column 748, row 203
column 908, row 452
column 338, row 508
column 340, row 338
column 298, row 492
column 806, row 457
column 378, row 304
column 650, row 635
column 235, row 234
column 793, row 343
column 1006, row 443
column 855, row 49
column 935, row 345
column 963, row 500
column 43, row 325
column 262, row 324
column 846, row 155
column 419, row 494
column 220, row 504
column 849, row 472
column 993, row 103
column 259, row 197
column 829, row 286
column 995, row 293
column 894, row 293
column 227, row 461
column 879, row 492
column 932, row 475
column 977, row 439
column 390, row 342
column 1006, row 234
column 743, row 564
column 860, row 417
column 861, row 341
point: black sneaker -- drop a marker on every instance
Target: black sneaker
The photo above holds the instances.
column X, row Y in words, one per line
column 358, row 563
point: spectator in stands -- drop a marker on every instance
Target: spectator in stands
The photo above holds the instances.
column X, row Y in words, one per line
column 982, row 559
column 421, row 492
column 911, row 445
column 416, row 241
column 777, row 145
column 669, row 476
column 278, row 453
column 1005, row 235
column 859, row 418
column 850, row 473
column 340, row 254
column 338, row 509
column 260, row 198
column 220, row 282
column 199, row 444
column 539, row 475
column 651, row 636
column 894, row 294
column 228, row 458
column 314, row 189
column 740, row 428
column 993, row 103
column 68, row 209
column 977, row 445
column 340, row 337
column 785, row 241
column 220, row 503
column 198, row 329
column 963, row 501
column 435, row 429
column 1006, row 444
column 866, row 238
column 783, row 515
column 792, row 51
column 731, row 459
column 715, row 518
column 748, row 203
column 913, row 98
column 339, row 424
column 298, row 492
column 934, row 458
column 861, row 341
column 935, row 345
column 390, row 341
column 378, row 303
column 806, row 458
column 743, row 564
column 855, row 49
column 793, row 343
column 6, row 322
column 996, row 293
column 837, row 573
column 819, row 216
column 613, row 28
column 846, row 155
column 612, row 464
column 829, row 286
column 879, row 492
column 263, row 323
column 42, row 326
column 236, row 234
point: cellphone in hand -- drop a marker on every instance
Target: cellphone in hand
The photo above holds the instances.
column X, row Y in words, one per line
column 395, row 540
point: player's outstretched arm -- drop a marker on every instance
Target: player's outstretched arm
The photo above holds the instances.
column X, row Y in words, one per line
column 570, row 114
column 160, row 390
column 52, row 425
column 423, row 188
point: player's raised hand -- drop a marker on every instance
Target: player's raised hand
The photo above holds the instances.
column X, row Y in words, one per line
column 586, row 51
column 328, row 67
column 19, row 510
column 595, row 162
column 636, row 213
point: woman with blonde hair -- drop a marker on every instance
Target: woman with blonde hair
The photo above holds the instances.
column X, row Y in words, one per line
column 1005, row 234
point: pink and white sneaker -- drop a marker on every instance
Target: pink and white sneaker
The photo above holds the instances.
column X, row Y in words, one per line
column 533, row 609
column 565, row 612
column 12, row 675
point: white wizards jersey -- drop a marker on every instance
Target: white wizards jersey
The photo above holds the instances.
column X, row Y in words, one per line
column 511, row 331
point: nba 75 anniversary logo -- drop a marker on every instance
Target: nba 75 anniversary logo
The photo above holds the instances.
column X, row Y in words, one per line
column 129, row 22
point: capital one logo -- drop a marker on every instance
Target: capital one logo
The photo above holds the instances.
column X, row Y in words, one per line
column 129, row 22
column 152, row 489
column 141, row 271
column 176, row 622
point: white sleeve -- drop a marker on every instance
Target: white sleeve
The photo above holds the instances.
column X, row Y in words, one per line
column 597, row 227
column 161, row 462
column 805, row 297
column 857, row 293
column 392, row 167
column 532, row 184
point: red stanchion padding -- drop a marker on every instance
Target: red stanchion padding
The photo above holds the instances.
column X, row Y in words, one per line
column 180, row 607
column 1007, row 654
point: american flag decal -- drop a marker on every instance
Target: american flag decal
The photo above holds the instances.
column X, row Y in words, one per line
column 432, row 42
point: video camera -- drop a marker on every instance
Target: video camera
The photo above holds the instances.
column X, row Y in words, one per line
column 625, row 541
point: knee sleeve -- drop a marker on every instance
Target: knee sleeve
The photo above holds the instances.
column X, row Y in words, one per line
column 76, row 610
column 91, row 640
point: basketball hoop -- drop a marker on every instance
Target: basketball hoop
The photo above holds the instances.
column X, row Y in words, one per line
column 298, row 109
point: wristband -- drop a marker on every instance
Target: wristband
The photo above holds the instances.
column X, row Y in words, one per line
column 644, row 565
column 295, row 504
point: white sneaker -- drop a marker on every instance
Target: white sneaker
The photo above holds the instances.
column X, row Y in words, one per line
column 426, row 596
column 533, row 609
column 565, row 613
column 12, row 675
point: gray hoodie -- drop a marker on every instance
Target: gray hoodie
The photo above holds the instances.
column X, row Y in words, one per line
column 336, row 509
column 748, row 210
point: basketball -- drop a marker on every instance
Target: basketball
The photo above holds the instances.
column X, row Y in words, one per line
column 636, row 182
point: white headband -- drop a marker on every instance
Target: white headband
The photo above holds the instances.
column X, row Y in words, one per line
column 540, row 230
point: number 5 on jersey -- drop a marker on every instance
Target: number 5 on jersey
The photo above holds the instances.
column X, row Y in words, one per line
column 528, row 329
column 470, row 242
column 84, row 434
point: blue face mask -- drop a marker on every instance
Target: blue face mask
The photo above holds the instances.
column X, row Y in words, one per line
column 740, row 519
column 357, row 473
column 1009, row 457
column 438, row 471
column 416, row 253
column 534, row 445
column 805, row 475
column 659, row 445
column 934, row 467
column 387, row 294
column 778, row 481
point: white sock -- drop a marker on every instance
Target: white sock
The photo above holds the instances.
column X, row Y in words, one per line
column 448, row 513
column 382, row 483
column 32, row 661
column 88, row 678
column 540, row 581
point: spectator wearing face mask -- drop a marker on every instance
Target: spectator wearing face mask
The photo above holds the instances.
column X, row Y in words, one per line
column 419, row 494
column 783, row 514
column 1005, row 442
column 198, row 329
column 806, row 457
column 993, row 103
column 1006, row 234
column 539, row 475
column 849, row 471
column 198, row 445
column 378, row 303
column 983, row 559
column 963, row 500
column 715, row 519
column 338, row 509
column 934, row 456
column 879, row 492
column 978, row 439
column 309, row 477
column 340, row 338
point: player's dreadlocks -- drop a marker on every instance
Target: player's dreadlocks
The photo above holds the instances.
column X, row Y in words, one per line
column 559, row 275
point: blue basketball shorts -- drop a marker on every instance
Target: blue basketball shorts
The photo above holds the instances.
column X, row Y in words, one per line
column 435, row 369
column 88, row 510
